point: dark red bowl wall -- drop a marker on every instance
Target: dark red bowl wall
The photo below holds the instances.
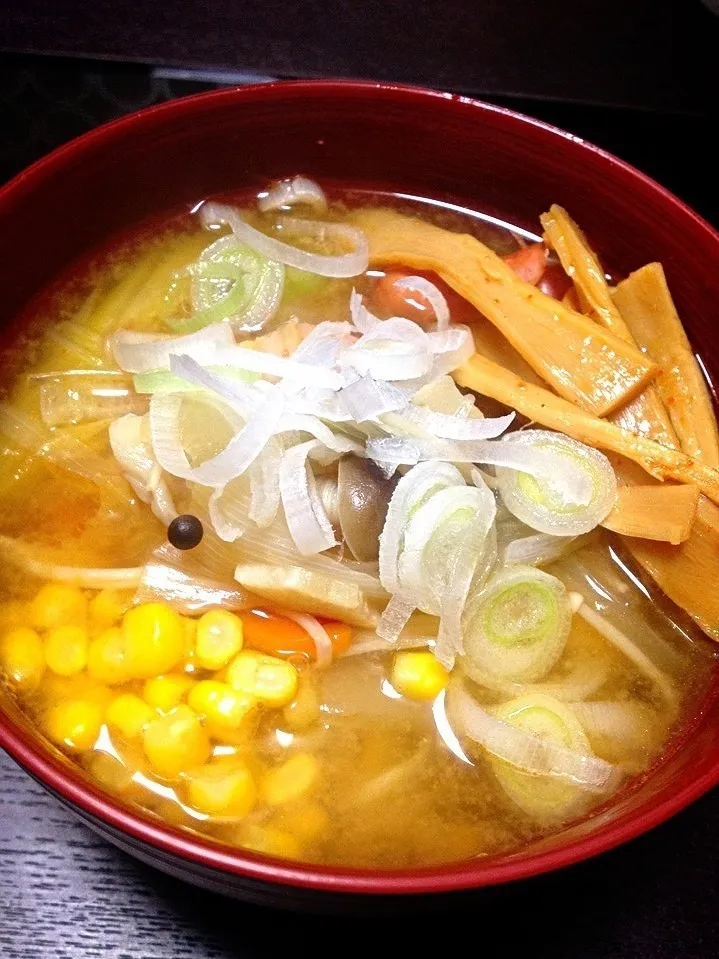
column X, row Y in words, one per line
column 413, row 141
column 430, row 144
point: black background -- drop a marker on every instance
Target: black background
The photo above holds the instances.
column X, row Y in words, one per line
column 638, row 77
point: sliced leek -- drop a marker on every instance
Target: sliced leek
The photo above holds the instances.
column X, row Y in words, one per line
column 516, row 628
column 234, row 283
column 545, row 798
column 541, row 503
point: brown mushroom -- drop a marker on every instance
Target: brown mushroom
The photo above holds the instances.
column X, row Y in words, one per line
column 363, row 495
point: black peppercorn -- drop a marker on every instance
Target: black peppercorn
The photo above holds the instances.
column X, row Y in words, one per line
column 185, row 531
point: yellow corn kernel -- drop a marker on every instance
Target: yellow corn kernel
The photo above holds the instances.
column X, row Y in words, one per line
column 154, row 639
column 304, row 710
column 75, row 723
column 129, row 714
column 176, row 742
column 219, row 791
column 219, row 638
column 418, row 675
column 56, row 688
column 269, row 679
column 270, row 841
column 106, row 659
column 22, row 658
column 15, row 612
column 306, row 820
column 240, row 738
column 291, row 780
column 189, row 662
column 222, row 706
column 109, row 771
column 106, row 608
column 66, row 649
column 58, row 605
column 166, row 692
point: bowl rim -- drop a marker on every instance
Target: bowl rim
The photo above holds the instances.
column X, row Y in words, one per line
column 52, row 770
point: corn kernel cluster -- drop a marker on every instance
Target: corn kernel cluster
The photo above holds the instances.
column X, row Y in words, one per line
column 140, row 690
column 178, row 695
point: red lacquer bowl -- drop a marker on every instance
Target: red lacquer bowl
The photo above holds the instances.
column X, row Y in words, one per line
column 416, row 142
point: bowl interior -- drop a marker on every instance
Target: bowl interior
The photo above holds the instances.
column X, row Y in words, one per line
column 414, row 142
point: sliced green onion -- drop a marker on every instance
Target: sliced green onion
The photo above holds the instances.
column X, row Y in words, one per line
column 549, row 798
column 516, row 628
column 234, row 283
column 162, row 381
column 541, row 503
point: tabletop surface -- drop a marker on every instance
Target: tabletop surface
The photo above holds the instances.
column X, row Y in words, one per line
column 66, row 894
column 650, row 53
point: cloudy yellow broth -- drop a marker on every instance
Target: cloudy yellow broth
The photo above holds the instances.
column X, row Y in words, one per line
column 378, row 780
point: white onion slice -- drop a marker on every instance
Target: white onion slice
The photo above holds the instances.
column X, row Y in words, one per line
column 315, row 427
column 422, row 576
column 538, row 756
column 414, row 486
column 395, row 349
column 290, row 192
column 322, row 345
column 255, row 361
column 395, row 617
column 451, row 348
column 443, row 542
column 242, row 396
column 232, row 461
column 228, row 529
column 326, row 404
column 361, row 316
column 317, row 633
column 306, row 517
column 432, row 295
column 265, row 484
column 368, row 398
column 345, row 265
column 455, row 427
column 135, row 353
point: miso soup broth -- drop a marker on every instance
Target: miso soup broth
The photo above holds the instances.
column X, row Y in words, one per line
column 296, row 555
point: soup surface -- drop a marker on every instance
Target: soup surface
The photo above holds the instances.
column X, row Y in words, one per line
column 239, row 688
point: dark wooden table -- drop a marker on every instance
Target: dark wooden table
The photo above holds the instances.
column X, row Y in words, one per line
column 657, row 54
column 65, row 894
